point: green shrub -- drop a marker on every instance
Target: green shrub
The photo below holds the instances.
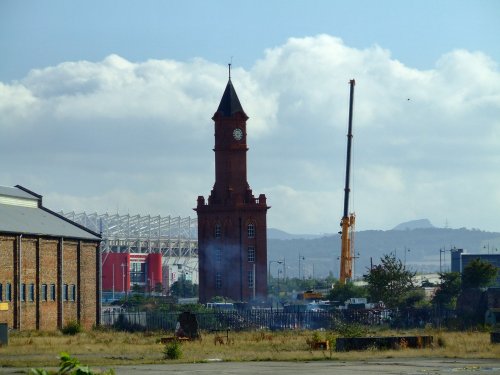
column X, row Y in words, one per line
column 173, row 350
column 69, row 365
column 351, row 330
column 72, row 328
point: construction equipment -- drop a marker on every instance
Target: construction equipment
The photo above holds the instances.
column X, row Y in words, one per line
column 348, row 220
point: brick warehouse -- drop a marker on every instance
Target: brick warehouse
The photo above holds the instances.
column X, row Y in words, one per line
column 49, row 265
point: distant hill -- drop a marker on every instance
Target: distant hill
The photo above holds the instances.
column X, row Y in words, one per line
column 419, row 247
column 277, row 234
column 414, row 224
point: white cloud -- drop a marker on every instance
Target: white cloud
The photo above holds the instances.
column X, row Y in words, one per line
column 138, row 135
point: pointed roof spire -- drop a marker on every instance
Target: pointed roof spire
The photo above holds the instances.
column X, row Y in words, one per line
column 230, row 104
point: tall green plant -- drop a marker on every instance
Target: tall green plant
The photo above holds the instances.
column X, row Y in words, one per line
column 389, row 281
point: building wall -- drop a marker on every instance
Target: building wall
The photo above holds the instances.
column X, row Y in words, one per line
column 69, row 281
column 35, row 265
column 27, row 249
column 233, row 264
column 7, row 251
column 116, row 268
column 494, row 259
column 89, row 296
column 48, row 276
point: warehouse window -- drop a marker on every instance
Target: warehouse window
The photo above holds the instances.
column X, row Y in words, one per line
column 52, row 292
column 218, row 255
column 1, row 292
column 72, row 295
column 217, row 230
column 44, row 292
column 65, row 292
column 8, row 292
column 31, row 295
column 23, row 292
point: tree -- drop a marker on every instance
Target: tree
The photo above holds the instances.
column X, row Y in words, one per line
column 389, row 281
column 342, row 292
column 184, row 288
column 448, row 290
column 478, row 273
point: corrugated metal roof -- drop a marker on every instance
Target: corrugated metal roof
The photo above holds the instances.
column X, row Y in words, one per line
column 20, row 219
column 15, row 192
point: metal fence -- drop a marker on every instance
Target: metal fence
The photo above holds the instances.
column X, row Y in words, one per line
column 265, row 319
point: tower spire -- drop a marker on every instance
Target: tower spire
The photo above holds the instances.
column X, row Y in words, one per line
column 229, row 65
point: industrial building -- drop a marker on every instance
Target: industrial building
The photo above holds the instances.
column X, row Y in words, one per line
column 460, row 259
column 232, row 228
column 49, row 265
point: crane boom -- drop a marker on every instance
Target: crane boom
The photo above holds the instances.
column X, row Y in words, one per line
column 348, row 219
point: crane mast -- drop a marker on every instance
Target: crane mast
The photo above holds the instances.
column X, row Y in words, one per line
column 348, row 219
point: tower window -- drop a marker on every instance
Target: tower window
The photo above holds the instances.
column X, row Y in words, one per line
column 250, row 279
column 251, row 254
column 251, row 230
column 218, row 280
column 217, row 230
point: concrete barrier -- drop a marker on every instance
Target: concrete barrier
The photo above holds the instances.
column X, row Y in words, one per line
column 4, row 334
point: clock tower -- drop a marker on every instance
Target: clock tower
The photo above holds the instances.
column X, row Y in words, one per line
column 232, row 228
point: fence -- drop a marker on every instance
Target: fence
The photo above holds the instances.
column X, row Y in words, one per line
column 260, row 319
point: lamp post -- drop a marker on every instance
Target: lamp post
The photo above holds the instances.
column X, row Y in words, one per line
column 269, row 270
column 407, row 250
column 443, row 258
column 123, row 265
column 300, row 258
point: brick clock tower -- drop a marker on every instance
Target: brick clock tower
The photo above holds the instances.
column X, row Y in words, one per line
column 232, row 229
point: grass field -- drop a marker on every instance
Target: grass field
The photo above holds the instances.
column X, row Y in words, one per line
column 108, row 348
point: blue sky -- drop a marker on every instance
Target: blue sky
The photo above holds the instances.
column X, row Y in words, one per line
column 35, row 34
column 112, row 102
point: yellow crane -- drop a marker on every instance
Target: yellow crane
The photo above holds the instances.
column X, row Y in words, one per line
column 348, row 219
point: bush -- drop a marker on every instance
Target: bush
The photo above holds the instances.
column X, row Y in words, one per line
column 173, row 350
column 72, row 328
column 69, row 365
column 351, row 330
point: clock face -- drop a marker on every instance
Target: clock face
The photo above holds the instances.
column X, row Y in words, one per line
column 238, row 134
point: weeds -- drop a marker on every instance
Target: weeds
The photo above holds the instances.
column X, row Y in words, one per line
column 71, row 328
column 69, row 366
column 172, row 350
column 122, row 348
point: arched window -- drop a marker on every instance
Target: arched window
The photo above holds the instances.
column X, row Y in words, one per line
column 251, row 230
column 217, row 230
